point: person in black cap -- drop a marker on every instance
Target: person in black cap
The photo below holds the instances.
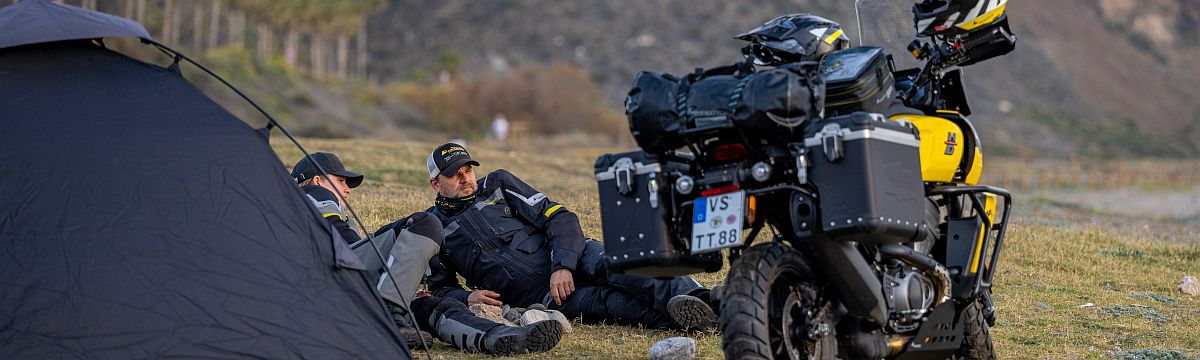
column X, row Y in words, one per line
column 515, row 246
column 408, row 244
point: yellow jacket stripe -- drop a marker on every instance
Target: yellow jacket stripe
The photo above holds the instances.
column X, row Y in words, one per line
column 552, row 209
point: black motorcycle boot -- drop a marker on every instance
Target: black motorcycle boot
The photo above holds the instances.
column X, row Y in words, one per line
column 692, row 313
column 409, row 333
column 414, row 338
column 509, row 340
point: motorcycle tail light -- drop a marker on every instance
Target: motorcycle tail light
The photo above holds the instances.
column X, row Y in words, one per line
column 729, row 152
column 720, row 190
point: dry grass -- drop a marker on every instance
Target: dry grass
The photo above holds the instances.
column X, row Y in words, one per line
column 1048, row 269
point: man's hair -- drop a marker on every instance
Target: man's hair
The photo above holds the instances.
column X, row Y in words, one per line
column 306, row 182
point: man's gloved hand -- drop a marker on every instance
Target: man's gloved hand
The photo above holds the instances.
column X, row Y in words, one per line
column 486, row 297
column 562, row 284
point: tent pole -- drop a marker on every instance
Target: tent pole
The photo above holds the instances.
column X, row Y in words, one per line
column 178, row 55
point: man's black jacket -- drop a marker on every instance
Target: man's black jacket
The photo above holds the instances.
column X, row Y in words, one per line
column 509, row 240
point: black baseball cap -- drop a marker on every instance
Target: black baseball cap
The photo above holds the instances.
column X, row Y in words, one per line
column 305, row 170
column 446, row 160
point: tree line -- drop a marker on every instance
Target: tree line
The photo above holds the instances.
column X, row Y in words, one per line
column 328, row 39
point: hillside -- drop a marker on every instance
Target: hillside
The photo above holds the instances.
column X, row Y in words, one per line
column 1101, row 79
column 1112, row 77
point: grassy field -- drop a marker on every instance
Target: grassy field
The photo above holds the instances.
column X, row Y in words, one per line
column 1057, row 259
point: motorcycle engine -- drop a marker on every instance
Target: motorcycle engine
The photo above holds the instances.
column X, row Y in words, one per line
column 910, row 295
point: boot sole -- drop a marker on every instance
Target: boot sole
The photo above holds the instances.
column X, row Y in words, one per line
column 542, row 337
column 414, row 343
column 693, row 314
column 545, row 336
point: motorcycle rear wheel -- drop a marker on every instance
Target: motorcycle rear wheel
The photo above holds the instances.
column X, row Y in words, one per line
column 772, row 308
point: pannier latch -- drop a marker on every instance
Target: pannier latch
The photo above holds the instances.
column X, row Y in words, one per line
column 831, row 142
column 801, row 154
column 623, row 169
column 653, row 187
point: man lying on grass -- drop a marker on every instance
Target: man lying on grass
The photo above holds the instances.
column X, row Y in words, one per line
column 515, row 246
column 410, row 242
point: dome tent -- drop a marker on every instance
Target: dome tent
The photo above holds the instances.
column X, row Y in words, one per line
column 142, row 220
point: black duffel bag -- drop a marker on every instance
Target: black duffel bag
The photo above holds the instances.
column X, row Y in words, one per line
column 772, row 103
column 776, row 103
column 650, row 107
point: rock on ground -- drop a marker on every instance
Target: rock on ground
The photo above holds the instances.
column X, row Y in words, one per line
column 490, row 312
column 1189, row 286
column 676, row 348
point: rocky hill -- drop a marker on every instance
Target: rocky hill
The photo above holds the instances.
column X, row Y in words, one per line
column 1107, row 77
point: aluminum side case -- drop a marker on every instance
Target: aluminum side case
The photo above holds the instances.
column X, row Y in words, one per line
column 635, row 205
column 867, row 171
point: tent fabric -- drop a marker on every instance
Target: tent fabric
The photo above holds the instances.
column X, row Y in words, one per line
column 141, row 220
column 39, row 21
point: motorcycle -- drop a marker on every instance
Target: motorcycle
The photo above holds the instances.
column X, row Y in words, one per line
column 884, row 243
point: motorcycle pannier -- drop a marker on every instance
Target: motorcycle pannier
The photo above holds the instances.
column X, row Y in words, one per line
column 857, row 79
column 634, row 206
column 867, row 171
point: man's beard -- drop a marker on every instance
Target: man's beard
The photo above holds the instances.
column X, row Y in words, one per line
column 466, row 189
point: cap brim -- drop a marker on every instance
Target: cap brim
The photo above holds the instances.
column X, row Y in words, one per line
column 353, row 179
column 453, row 167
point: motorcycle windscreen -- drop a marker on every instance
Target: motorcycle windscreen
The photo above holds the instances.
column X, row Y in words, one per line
column 887, row 24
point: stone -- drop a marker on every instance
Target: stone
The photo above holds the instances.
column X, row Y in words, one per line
column 676, row 348
column 490, row 312
column 1189, row 286
column 532, row 315
column 512, row 314
column 561, row 319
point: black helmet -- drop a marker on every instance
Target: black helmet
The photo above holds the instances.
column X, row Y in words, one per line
column 792, row 38
column 949, row 17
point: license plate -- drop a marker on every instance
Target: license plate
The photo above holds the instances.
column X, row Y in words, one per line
column 717, row 222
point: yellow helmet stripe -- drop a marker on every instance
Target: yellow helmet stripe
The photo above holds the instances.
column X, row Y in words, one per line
column 984, row 19
column 829, row 39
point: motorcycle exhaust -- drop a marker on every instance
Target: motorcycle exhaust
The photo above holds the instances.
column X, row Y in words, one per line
column 852, row 277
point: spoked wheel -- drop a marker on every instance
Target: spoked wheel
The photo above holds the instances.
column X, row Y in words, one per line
column 772, row 309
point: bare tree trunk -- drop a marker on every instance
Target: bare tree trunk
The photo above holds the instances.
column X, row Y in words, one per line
column 129, row 7
column 291, row 47
column 214, row 25
column 362, row 50
column 343, row 55
column 317, row 56
column 141, row 10
column 198, row 27
column 177, row 23
column 264, row 40
column 237, row 28
column 168, row 18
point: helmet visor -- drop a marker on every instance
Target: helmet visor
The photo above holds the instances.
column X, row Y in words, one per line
column 790, row 46
column 764, row 55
